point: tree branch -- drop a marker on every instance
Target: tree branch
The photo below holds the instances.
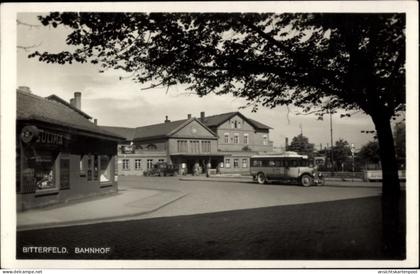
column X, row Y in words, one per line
column 27, row 48
column 27, row 24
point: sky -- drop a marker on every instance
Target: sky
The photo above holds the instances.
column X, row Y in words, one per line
column 116, row 102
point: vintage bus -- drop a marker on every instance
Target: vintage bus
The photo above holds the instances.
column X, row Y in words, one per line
column 288, row 167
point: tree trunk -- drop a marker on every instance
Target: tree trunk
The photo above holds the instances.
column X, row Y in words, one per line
column 393, row 235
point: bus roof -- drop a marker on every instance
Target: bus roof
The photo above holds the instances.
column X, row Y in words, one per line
column 280, row 156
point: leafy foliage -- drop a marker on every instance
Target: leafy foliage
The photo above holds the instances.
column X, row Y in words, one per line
column 369, row 153
column 399, row 138
column 348, row 61
column 341, row 152
column 301, row 145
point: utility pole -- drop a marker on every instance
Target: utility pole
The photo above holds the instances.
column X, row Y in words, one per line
column 352, row 165
column 331, row 130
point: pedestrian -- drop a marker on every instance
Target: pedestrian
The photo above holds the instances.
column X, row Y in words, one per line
column 196, row 169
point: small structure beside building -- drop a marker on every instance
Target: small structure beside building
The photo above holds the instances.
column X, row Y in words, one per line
column 222, row 143
column 60, row 154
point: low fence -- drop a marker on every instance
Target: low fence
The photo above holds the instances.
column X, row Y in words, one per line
column 343, row 175
column 368, row 175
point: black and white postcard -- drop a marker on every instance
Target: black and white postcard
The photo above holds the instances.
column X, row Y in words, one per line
column 209, row 135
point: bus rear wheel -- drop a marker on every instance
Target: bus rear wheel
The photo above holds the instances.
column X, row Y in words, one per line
column 261, row 179
column 306, row 180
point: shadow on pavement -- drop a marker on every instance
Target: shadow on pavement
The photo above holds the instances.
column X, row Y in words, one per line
column 339, row 230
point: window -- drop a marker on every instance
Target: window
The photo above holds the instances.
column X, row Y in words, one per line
column 195, row 146
column 244, row 163
column 265, row 140
column 105, row 168
column 236, row 139
column 235, row 163
column 182, row 146
column 149, row 163
column 125, row 164
column 205, row 146
column 161, row 160
column 256, row 163
column 271, row 163
column 226, row 138
column 92, row 167
column 246, row 140
column 82, row 165
column 95, row 167
column 232, row 124
column 137, row 164
column 227, row 163
column 239, row 124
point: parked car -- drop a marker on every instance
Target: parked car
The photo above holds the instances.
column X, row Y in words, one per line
column 288, row 167
column 162, row 169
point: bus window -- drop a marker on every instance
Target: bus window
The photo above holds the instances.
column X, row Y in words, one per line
column 271, row 163
column 279, row 163
column 256, row 163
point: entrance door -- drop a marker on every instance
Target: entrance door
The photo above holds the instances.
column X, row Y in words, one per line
column 190, row 166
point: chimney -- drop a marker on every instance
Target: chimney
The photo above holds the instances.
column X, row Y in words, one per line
column 24, row 89
column 202, row 115
column 166, row 119
column 78, row 100
column 287, row 143
column 95, row 121
column 189, row 116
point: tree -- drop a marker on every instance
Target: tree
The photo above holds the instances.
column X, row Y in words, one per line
column 301, row 145
column 369, row 153
column 328, row 61
column 341, row 152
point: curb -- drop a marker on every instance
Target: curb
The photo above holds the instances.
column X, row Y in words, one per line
column 223, row 180
column 328, row 182
column 122, row 217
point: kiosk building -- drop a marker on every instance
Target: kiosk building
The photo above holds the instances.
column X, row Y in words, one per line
column 61, row 154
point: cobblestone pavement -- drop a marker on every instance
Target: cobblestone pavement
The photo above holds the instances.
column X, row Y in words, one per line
column 207, row 197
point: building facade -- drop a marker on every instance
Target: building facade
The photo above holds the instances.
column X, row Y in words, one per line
column 238, row 139
column 221, row 142
column 60, row 154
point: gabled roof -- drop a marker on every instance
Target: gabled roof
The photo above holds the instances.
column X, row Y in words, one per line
column 33, row 107
column 125, row 132
column 162, row 130
column 217, row 120
column 64, row 102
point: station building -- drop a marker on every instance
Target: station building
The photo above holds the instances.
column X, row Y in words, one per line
column 61, row 154
column 225, row 141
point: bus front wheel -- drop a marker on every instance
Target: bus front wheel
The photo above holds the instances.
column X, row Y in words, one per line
column 306, row 180
column 261, row 178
